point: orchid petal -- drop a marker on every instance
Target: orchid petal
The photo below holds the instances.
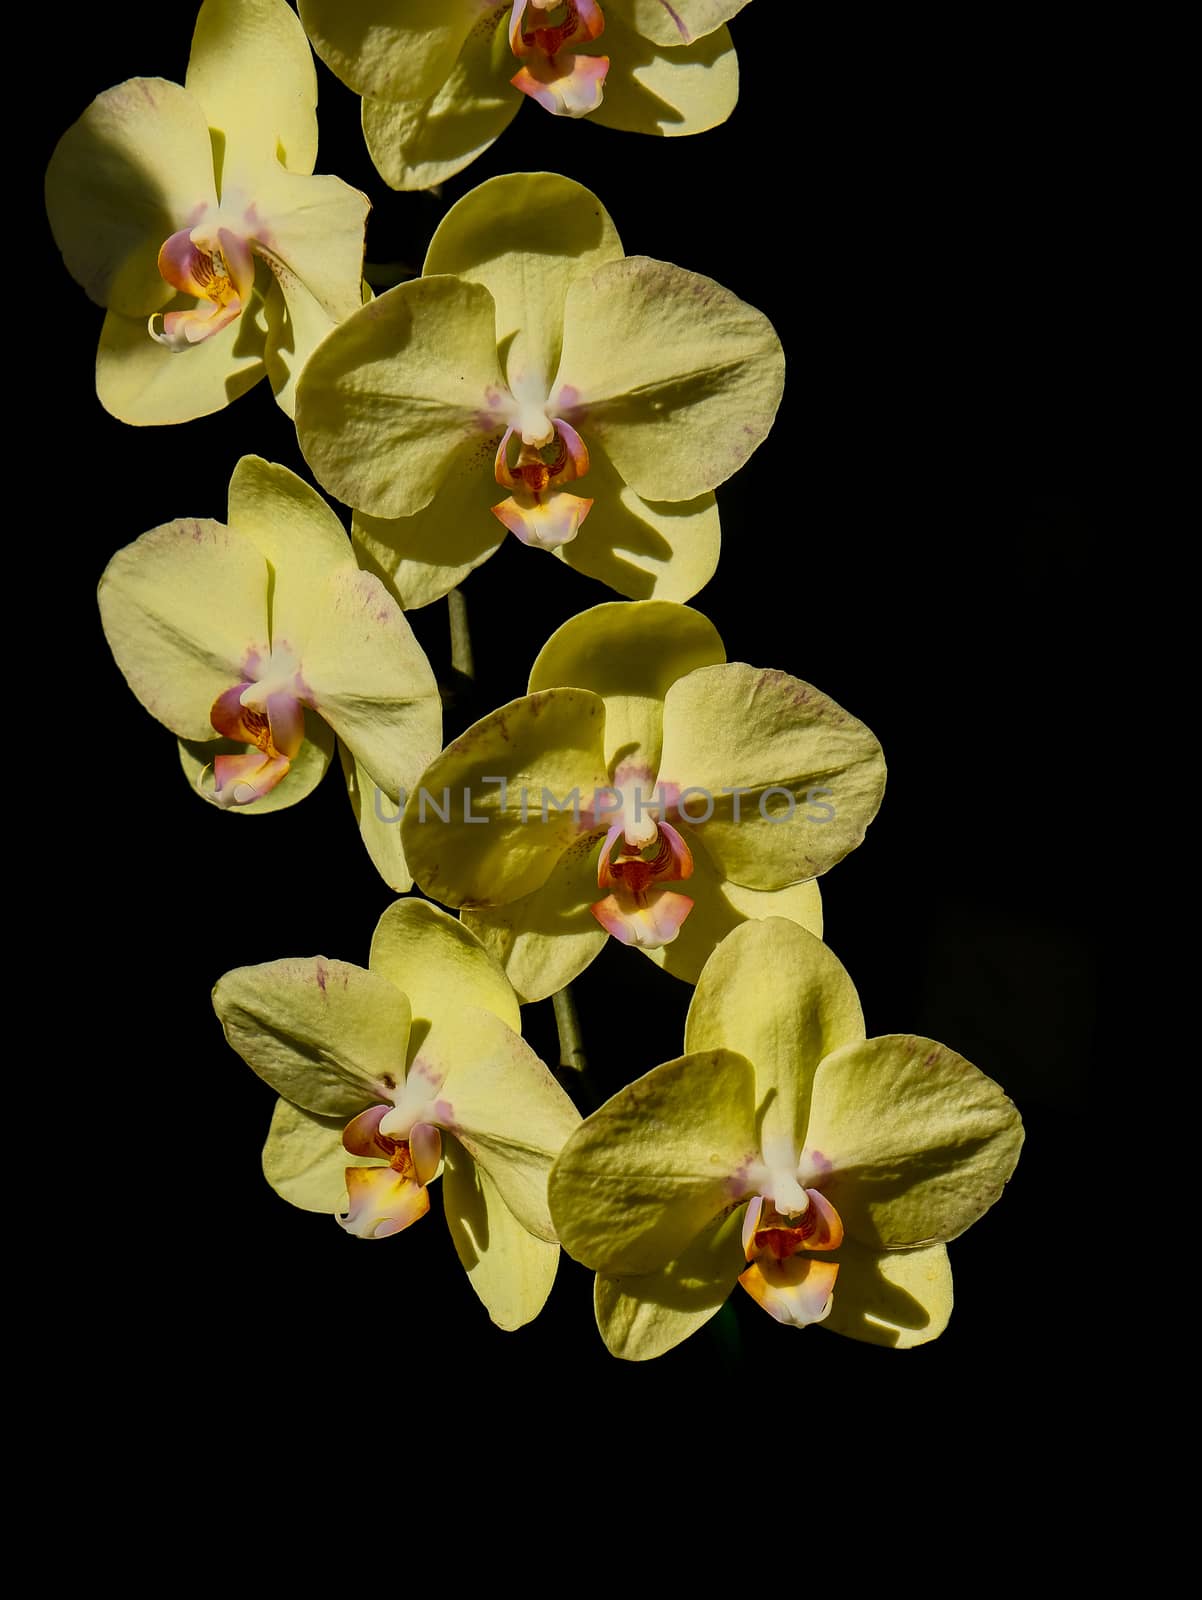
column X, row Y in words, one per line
column 720, row 906
column 645, row 1174
column 418, row 143
column 546, row 939
column 501, row 1103
column 304, row 1160
column 630, row 653
column 368, row 678
column 183, row 607
column 423, row 557
column 513, row 787
column 690, row 389
column 525, row 237
column 252, row 71
column 143, row 382
column 379, row 822
column 669, row 92
column 310, row 231
column 679, row 22
column 810, row 775
column 510, row 1269
column 296, row 532
column 909, row 1141
column 390, row 397
column 777, row 995
column 305, row 771
column 645, row 1316
column 898, row 1298
column 134, row 168
column 439, row 964
column 666, row 550
column 326, row 1035
column 377, row 47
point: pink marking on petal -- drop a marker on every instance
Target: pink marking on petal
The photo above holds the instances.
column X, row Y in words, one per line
column 183, row 266
column 286, row 722
column 577, row 462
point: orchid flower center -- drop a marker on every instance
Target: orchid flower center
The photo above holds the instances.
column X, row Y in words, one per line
column 640, row 857
column 539, row 511
column 215, row 264
column 384, row 1200
column 783, row 1274
column 267, row 714
column 541, row 35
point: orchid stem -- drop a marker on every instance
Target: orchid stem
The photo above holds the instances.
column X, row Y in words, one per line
column 571, row 1051
column 462, row 664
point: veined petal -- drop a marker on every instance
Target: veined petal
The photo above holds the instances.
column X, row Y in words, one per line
column 720, row 906
column 909, row 1141
column 897, row 1298
column 512, row 789
column 687, row 393
column 670, row 92
column 183, row 608
column 381, row 1202
column 525, row 237
column 379, row 822
column 423, row 557
column 143, row 382
column 418, row 143
column 629, row 653
column 439, row 964
column 810, row 776
column 797, row 1291
column 310, row 229
column 645, row 1174
column 674, row 22
column 389, row 398
column 305, row 771
column 546, row 939
column 663, row 550
column 326, row 1035
column 395, row 52
column 252, row 71
column 776, row 994
column 293, row 528
column 304, row 1160
column 501, row 1104
column 370, row 680
column 641, row 1317
column 135, row 167
column 510, row 1269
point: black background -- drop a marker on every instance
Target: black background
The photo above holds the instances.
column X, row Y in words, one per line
column 917, row 211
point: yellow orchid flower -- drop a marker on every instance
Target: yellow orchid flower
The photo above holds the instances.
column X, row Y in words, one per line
column 442, row 79
column 257, row 642
column 823, row 1171
column 491, row 394
column 644, row 788
column 389, row 1073
column 192, row 216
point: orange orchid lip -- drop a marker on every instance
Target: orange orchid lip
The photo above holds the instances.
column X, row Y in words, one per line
column 218, row 268
column 640, row 908
column 276, row 730
column 562, row 82
column 539, row 511
column 386, row 1200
